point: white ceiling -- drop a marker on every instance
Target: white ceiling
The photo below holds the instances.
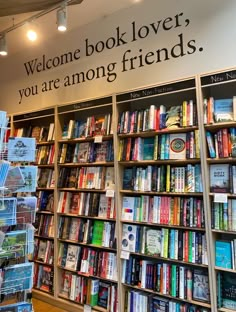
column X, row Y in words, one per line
column 78, row 15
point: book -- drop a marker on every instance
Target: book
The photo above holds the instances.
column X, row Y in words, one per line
column 21, row 149
column 129, row 237
column 72, row 257
column 46, row 278
column 128, row 208
column 223, row 110
column 152, row 242
column 43, row 177
column 223, row 254
column 177, row 146
column 226, row 289
column 219, row 178
column 173, row 117
column 103, row 295
column 42, row 250
column 97, row 235
column 200, row 285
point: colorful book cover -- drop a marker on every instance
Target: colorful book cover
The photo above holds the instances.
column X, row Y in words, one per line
column 223, row 110
column 72, row 256
column 128, row 208
column 46, row 279
column 152, row 242
column 97, row 235
column 177, row 146
column 129, row 237
column 21, row 149
column 228, row 286
column 223, row 254
column 173, row 117
column 219, row 178
column 200, row 285
column 103, row 294
column 148, row 148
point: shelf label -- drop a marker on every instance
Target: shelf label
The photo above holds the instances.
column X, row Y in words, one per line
column 220, row 77
column 98, row 139
column 124, row 254
column 171, row 87
column 87, row 308
column 110, row 193
column 220, row 198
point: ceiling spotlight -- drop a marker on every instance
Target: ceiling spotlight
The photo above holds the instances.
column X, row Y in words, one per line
column 32, row 31
column 3, row 45
column 62, row 19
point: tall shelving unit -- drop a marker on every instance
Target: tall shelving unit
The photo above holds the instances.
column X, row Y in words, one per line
column 168, row 95
column 41, row 126
column 214, row 87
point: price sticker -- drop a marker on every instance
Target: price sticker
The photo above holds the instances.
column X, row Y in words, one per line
column 124, row 254
column 110, row 193
column 87, row 308
column 220, row 198
column 98, row 139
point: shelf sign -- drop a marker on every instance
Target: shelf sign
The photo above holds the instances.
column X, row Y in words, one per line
column 40, row 113
column 172, row 87
column 220, row 198
column 87, row 308
column 87, row 104
column 98, row 139
column 124, row 254
column 220, row 77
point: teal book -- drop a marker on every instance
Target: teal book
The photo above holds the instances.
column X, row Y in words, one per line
column 227, row 287
column 223, row 254
column 148, row 148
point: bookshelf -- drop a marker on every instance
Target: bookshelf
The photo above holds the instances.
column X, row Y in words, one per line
column 218, row 92
column 163, row 196
column 86, row 215
column 41, row 126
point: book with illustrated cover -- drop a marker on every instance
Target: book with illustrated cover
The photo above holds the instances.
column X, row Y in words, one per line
column 26, row 209
column 66, row 283
column 101, row 151
column 43, row 177
column 177, row 146
column 226, row 287
column 173, row 117
column 128, row 208
column 42, row 246
column 35, row 133
column 18, row 277
column 103, row 294
column 14, row 245
column 81, row 153
column 8, row 211
column 223, row 254
column 201, row 285
column 46, row 278
column 21, row 149
column 223, row 110
column 72, row 257
column 219, row 178
column 110, row 178
column 152, row 242
column 129, row 237
column 97, row 236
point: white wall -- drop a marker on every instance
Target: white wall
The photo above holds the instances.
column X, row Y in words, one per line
column 207, row 25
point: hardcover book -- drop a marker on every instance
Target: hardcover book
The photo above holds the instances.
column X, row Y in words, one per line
column 46, row 278
column 152, row 242
column 103, row 294
column 223, row 110
column 227, row 289
column 177, row 146
column 128, row 208
column 200, row 285
column 72, row 257
column 219, row 178
column 223, row 254
column 21, row 149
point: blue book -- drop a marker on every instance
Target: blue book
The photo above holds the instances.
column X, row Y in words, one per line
column 21, row 149
column 223, row 254
column 223, row 110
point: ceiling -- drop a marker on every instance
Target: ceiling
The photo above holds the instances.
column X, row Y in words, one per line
column 81, row 13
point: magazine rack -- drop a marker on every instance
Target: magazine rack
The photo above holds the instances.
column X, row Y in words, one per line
column 17, row 214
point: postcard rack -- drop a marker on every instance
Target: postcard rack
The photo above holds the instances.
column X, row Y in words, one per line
column 18, row 179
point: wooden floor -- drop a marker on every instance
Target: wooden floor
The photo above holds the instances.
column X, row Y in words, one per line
column 40, row 306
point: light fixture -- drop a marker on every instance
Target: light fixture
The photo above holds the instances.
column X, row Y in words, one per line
column 3, row 45
column 31, row 32
column 62, row 18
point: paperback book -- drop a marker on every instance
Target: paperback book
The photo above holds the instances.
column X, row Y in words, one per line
column 219, row 178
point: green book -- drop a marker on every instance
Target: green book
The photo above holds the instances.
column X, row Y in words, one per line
column 98, row 228
column 94, row 292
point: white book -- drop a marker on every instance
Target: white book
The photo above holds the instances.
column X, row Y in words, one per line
column 128, row 208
